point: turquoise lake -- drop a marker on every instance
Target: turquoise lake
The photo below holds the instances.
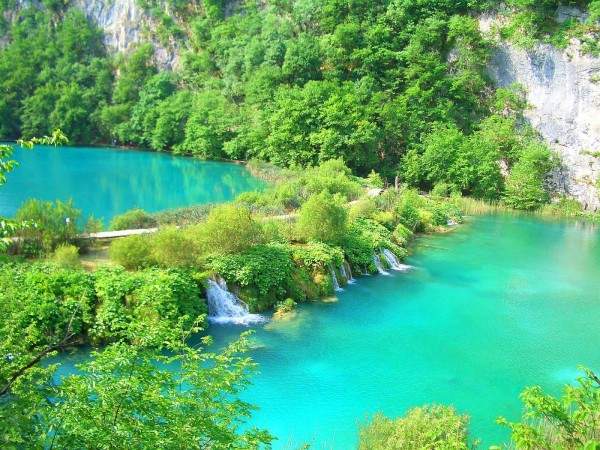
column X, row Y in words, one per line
column 104, row 182
column 498, row 304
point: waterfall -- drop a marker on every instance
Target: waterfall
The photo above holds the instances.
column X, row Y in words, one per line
column 379, row 266
column 347, row 271
column 336, row 284
column 225, row 307
column 393, row 261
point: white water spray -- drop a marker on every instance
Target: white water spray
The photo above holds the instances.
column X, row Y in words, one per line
column 225, row 307
column 336, row 284
column 347, row 271
column 380, row 269
column 393, row 261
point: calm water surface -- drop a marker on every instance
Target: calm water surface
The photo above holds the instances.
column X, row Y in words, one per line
column 105, row 182
column 497, row 305
column 500, row 304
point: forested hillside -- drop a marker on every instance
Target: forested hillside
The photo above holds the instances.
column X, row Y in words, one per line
column 395, row 86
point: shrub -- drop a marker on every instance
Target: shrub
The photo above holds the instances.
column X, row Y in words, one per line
column 262, row 202
column 263, row 272
column 46, row 299
column 570, row 422
column 407, row 210
column 133, row 220
column 374, row 180
column 441, row 190
column 401, row 234
column 363, row 208
column 318, row 256
column 334, row 177
column 525, row 183
column 172, row 247
column 385, row 218
column 66, row 256
column 286, row 306
column 429, row 427
column 190, row 215
column 228, row 229
column 129, row 301
column 322, row 218
column 132, row 252
column 54, row 223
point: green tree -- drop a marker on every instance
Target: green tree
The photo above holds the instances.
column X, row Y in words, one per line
column 525, row 184
column 228, row 229
column 322, row 218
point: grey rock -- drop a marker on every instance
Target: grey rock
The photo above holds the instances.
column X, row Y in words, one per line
column 565, row 110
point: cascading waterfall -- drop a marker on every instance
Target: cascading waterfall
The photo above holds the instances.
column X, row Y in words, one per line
column 393, row 261
column 377, row 262
column 336, row 284
column 347, row 271
column 225, row 307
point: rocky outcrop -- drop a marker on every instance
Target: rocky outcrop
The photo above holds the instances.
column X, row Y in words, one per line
column 563, row 91
column 124, row 23
column 564, row 99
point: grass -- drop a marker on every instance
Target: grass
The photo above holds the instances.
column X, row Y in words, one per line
column 563, row 209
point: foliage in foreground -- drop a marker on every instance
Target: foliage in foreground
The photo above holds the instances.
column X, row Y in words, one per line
column 130, row 396
column 569, row 422
column 429, row 427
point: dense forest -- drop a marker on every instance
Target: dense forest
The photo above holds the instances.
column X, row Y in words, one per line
column 399, row 87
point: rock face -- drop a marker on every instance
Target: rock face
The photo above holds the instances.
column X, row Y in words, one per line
column 123, row 22
column 563, row 89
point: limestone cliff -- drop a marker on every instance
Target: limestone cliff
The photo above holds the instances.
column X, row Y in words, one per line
column 124, row 22
column 563, row 91
column 564, row 103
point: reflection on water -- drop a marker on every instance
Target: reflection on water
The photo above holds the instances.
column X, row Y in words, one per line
column 105, row 182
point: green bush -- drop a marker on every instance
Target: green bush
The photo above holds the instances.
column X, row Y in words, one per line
column 228, row 229
column 363, row 208
column 318, row 256
column 132, row 252
column 322, row 218
column 286, row 306
column 407, row 210
column 133, row 220
column 131, row 301
column 172, row 247
column 190, row 215
column 66, row 256
column 525, row 184
column 569, row 422
column 429, row 427
column 334, row 177
column 263, row 273
column 401, row 235
column 54, row 223
column 44, row 298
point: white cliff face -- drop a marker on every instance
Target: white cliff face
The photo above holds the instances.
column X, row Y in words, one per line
column 565, row 110
column 121, row 21
column 124, row 23
column 563, row 91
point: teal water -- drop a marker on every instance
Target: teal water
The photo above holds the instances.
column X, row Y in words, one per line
column 497, row 305
column 105, row 182
column 500, row 304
